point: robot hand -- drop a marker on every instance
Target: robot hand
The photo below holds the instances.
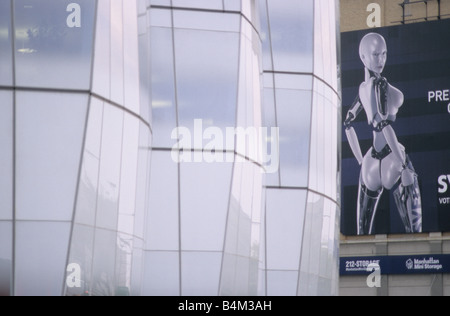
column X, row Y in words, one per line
column 408, row 177
column 407, row 185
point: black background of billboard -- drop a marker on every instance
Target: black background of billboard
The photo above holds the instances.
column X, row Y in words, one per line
column 418, row 62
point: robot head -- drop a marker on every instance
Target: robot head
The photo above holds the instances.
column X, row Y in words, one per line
column 373, row 52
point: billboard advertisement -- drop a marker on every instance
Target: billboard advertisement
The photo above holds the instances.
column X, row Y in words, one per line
column 396, row 135
column 395, row 265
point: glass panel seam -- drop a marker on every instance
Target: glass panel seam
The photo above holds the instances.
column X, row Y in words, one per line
column 315, row 76
column 14, row 149
column 172, row 8
column 234, row 162
column 93, row 52
column 97, row 198
column 302, row 189
column 77, row 188
column 177, row 121
column 305, row 209
column 63, row 292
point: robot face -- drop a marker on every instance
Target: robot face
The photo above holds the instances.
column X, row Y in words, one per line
column 373, row 52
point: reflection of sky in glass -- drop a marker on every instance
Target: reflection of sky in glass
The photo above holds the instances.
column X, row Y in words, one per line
column 291, row 24
column 46, row 175
column 5, row 44
column 6, row 154
column 207, row 67
column 49, row 53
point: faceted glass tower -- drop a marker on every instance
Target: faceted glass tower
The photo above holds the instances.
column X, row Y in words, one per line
column 169, row 147
column 224, row 228
column 302, row 97
column 76, row 139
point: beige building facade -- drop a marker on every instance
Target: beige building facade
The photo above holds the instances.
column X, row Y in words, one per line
column 366, row 15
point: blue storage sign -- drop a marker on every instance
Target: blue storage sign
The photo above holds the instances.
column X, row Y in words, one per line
column 391, row 265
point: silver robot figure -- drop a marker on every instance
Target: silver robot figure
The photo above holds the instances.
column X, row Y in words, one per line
column 386, row 165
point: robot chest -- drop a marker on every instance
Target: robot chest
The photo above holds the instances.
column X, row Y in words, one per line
column 371, row 102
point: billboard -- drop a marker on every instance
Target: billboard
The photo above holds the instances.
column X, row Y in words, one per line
column 396, row 136
column 395, row 265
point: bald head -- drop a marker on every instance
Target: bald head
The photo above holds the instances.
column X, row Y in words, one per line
column 373, row 52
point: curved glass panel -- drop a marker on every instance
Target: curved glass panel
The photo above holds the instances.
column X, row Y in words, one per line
column 49, row 136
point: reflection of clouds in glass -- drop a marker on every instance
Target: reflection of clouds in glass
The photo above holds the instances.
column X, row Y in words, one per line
column 5, row 44
column 291, row 34
column 294, row 114
column 50, row 54
column 207, row 68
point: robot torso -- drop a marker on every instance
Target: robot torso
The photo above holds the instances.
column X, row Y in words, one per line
column 380, row 104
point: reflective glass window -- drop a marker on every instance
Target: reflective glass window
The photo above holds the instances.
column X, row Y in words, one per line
column 104, row 263
column 81, row 253
column 117, row 52
column 131, row 56
column 88, row 186
column 313, row 235
column 199, row 4
column 137, row 270
column 5, row 43
column 160, row 2
column 163, row 216
column 200, row 95
column 325, row 41
column 101, row 79
column 124, row 255
column 53, row 43
column 264, row 33
column 294, row 121
column 109, row 178
column 6, row 155
column 285, row 211
column 282, row 283
column 232, row 5
column 49, row 137
column 238, row 276
column 200, row 273
column 207, row 21
column 163, row 87
column 127, row 198
column 41, row 256
column 161, row 17
column 291, row 25
column 205, row 192
column 6, row 244
column 142, row 181
column 145, row 56
column 269, row 144
column 161, row 274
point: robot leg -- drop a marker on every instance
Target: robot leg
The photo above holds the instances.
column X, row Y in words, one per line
column 367, row 209
column 409, row 203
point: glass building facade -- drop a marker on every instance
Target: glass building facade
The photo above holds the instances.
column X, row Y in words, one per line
column 110, row 184
column 76, row 140
column 302, row 98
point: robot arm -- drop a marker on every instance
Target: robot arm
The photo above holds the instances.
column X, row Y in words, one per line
column 354, row 111
column 381, row 91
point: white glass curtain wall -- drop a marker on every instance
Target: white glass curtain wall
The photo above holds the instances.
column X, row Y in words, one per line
column 101, row 194
column 76, row 138
column 226, row 228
